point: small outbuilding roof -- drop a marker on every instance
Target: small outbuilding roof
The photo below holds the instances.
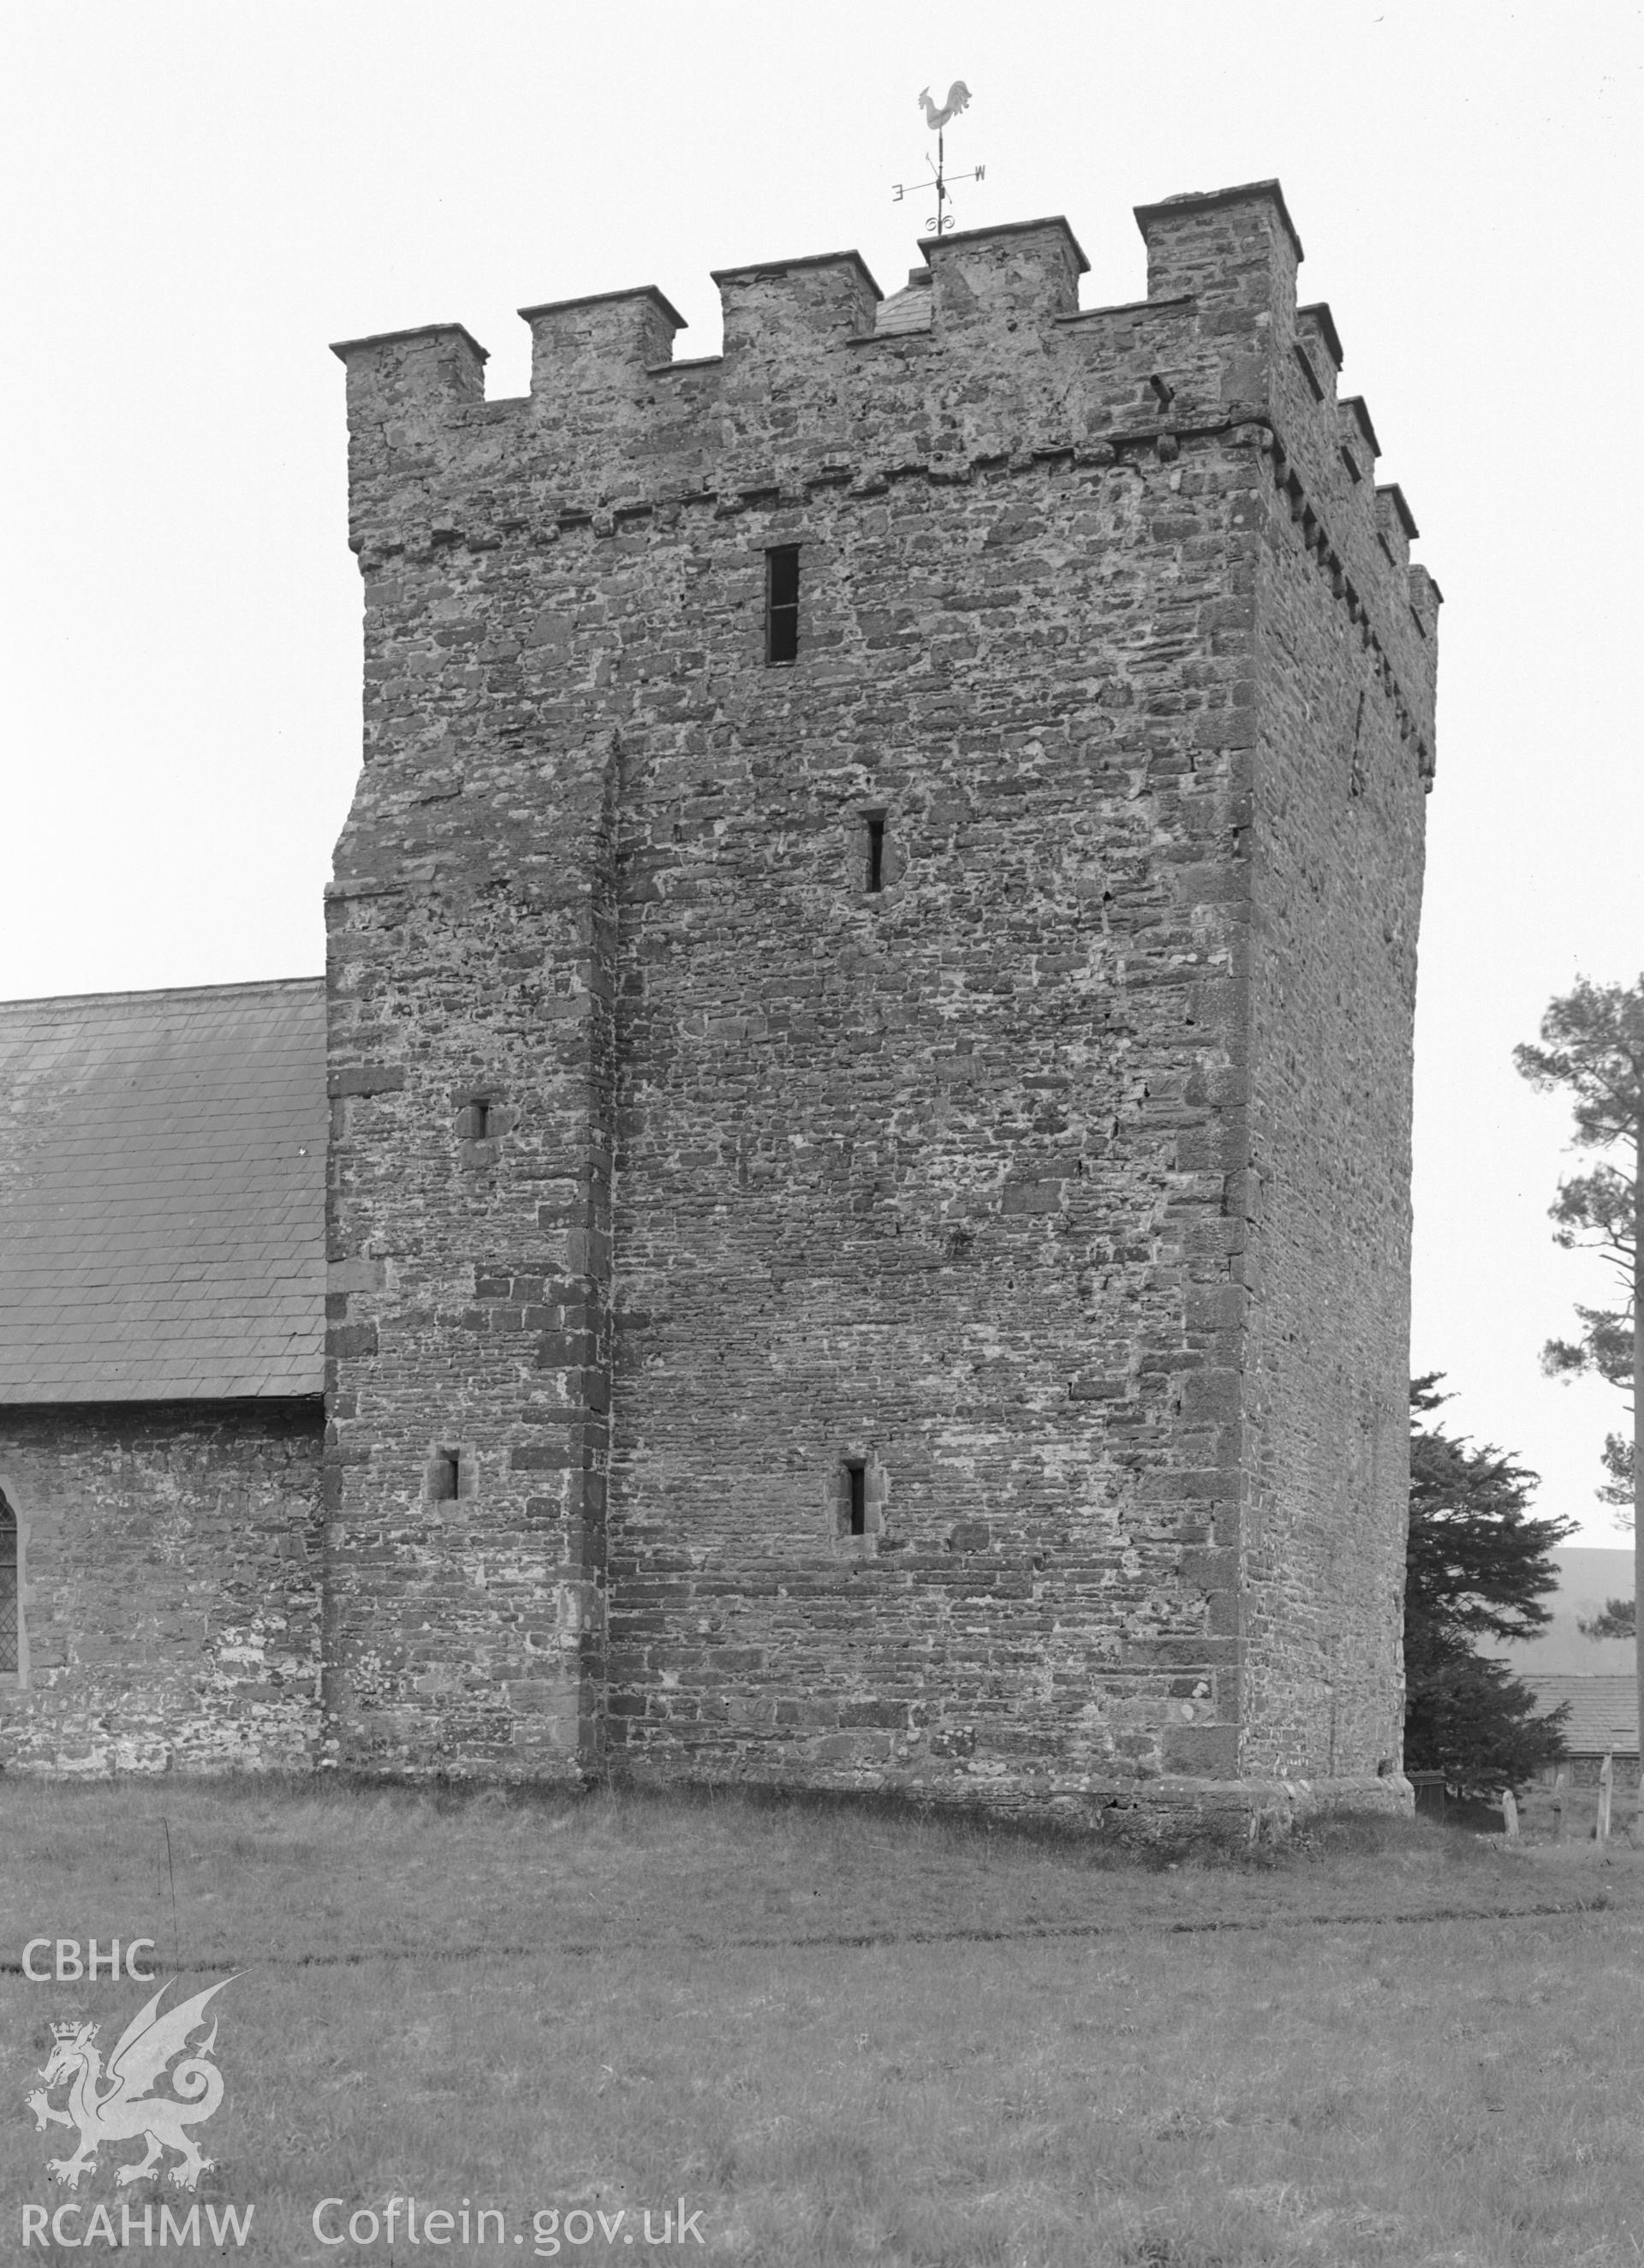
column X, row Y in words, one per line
column 1604, row 1712
column 162, row 1195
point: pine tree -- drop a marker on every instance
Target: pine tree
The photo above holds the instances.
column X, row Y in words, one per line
column 1616, row 1618
column 1477, row 1567
column 1596, row 1213
column 1594, row 1044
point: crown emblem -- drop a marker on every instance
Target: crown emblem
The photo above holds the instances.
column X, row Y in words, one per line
column 71, row 2031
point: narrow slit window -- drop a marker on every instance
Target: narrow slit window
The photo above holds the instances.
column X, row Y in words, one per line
column 10, row 1650
column 875, row 851
column 441, row 1477
column 782, row 603
column 856, row 1476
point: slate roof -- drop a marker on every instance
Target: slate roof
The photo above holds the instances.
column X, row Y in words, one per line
column 905, row 311
column 162, row 1194
column 1604, row 1712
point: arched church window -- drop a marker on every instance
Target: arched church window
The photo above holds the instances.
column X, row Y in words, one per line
column 10, row 1650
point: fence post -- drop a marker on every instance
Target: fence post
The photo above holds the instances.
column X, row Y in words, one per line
column 1558, row 1805
column 1606, row 1776
column 1509, row 1813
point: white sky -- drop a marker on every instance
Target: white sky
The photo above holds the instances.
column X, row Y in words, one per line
column 200, row 194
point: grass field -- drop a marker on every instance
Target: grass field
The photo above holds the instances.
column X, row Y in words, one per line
column 843, row 2035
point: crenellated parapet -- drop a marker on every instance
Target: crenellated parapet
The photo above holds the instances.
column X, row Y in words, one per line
column 989, row 362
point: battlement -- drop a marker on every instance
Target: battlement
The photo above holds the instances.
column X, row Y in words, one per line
column 987, row 361
column 825, row 300
column 1023, row 271
column 1004, row 299
column 576, row 344
column 1226, row 247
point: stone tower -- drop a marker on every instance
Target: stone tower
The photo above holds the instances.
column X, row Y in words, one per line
column 871, row 973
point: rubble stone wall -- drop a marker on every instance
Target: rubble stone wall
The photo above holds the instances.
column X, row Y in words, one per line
column 916, row 1178
column 171, row 1600
column 1338, row 861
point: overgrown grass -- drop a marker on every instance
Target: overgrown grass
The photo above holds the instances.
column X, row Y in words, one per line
column 848, row 2035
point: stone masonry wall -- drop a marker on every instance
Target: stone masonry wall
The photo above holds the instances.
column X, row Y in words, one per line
column 918, row 1178
column 1343, row 758
column 675, row 1171
column 171, row 1599
column 1337, row 834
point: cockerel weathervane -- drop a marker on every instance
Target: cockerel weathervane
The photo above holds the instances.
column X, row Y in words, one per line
column 958, row 99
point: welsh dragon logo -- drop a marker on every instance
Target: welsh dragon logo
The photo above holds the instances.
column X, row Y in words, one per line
column 115, row 2105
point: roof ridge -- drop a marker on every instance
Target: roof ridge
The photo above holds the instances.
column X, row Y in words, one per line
column 171, row 993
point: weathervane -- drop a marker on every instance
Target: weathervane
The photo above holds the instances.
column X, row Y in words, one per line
column 958, row 98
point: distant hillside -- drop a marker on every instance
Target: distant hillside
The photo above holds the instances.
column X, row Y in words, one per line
column 1586, row 1578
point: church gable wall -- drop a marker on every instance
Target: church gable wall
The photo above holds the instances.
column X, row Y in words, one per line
column 172, row 1595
